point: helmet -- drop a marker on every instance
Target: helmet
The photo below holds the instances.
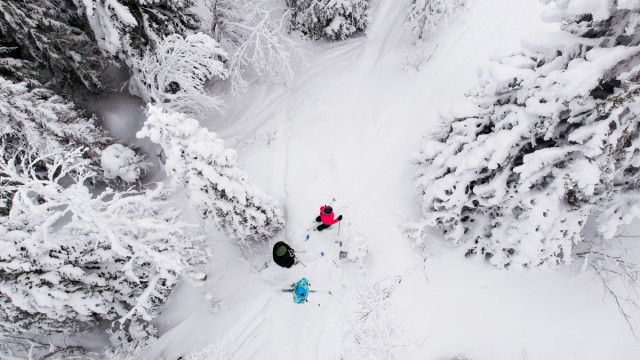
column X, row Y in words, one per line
column 301, row 292
column 327, row 210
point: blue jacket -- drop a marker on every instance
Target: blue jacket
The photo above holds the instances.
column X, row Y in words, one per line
column 301, row 291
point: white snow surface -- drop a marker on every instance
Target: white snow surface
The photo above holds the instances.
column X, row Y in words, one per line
column 346, row 129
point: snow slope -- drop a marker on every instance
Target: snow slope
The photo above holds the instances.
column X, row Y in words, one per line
column 346, row 129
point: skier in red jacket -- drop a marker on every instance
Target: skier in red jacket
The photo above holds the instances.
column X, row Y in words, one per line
column 326, row 217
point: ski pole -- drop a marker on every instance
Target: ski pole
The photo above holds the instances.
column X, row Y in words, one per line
column 311, row 302
column 332, row 200
column 301, row 262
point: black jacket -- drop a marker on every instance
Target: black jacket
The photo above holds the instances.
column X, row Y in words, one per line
column 285, row 260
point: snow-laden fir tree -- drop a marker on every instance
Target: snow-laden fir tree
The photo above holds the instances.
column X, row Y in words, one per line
column 74, row 40
column 549, row 139
column 69, row 259
column 55, row 38
column 12, row 66
column 124, row 28
column 217, row 187
column 254, row 36
column 35, row 121
column 427, row 16
column 174, row 74
column 329, row 19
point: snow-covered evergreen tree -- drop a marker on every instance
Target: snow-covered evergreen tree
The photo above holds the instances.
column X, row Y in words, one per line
column 216, row 186
column 125, row 28
column 69, row 259
column 55, row 38
column 549, row 139
column 37, row 122
column 74, row 40
column 43, row 121
column 255, row 40
column 173, row 74
column 427, row 16
column 329, row 19
column 12, row 66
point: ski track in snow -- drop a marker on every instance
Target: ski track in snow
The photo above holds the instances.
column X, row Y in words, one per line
column 346, row 129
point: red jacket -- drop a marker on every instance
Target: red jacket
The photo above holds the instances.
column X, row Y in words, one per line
column 327, row 219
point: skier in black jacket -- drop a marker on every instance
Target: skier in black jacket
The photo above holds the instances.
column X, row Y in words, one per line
column 283, row 254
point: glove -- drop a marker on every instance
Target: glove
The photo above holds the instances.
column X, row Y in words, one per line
column 339, row 217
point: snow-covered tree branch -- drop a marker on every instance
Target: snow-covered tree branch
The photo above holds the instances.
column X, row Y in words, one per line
column 614, row 262
column 427, row 16
column 549, row 139
column 174, row 74
column 38, row 122
column 124, row 28
column 329, row 19
column 12, row 67
column 70, row 259
column 56, row 37
column 23, row 347
column 255, row 40
column 74, row 40
column 372, row 331
column 198, row 159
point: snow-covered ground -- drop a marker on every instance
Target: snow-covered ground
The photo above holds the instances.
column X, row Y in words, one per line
column 346, row 129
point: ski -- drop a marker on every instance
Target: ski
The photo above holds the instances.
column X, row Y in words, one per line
column 291, row 290
column 311, row 291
